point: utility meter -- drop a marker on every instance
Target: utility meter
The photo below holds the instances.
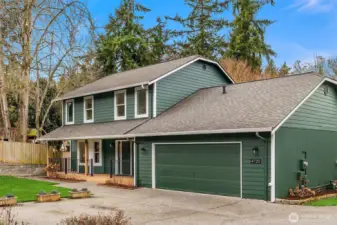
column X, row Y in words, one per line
column 304, row 164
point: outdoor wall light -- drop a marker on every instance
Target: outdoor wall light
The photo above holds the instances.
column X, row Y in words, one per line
column 143, row 149
column 255, row 151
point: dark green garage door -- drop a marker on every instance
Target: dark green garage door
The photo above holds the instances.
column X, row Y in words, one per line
column 204, row 168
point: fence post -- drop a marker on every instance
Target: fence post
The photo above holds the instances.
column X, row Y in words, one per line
column 111, row 168
column 65, row 165
column 92, row 167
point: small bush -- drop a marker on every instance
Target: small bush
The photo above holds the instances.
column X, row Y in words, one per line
column 112, row 218
column 74, row 190
column 7, row 217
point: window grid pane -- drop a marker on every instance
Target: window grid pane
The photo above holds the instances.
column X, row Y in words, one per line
column 141, row 102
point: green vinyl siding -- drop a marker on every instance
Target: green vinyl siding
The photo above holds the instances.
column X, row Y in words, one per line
column 74, row 155
column 311, row 129
column 254, row 176
column 318, row 112
column 78, row 110
column 130, row 103
column 204, row 168
column 320, row 148
column 103, row 107
column 185, row 82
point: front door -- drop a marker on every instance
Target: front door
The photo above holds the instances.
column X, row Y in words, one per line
column 124, row 160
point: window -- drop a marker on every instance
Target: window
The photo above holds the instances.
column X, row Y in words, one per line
column 70, row 111
column 89, row 109
column 120, row 105
column 97, row 152
column 81, row 152
column 141, row 102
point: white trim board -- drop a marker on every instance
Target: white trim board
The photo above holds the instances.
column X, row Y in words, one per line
column 153, row 155
column 189, row 63
column 137, row 116
column 85, row 110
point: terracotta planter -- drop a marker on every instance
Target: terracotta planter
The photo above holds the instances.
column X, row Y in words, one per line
column 80, row 194
column 48, row 197
column 7, row 201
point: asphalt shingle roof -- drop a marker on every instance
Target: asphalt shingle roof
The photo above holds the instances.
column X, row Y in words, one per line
column 124, row 79
column 252, row 105
column 92, row 130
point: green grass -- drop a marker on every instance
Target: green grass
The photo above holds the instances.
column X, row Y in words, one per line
column 324, row 202
column 26, row 189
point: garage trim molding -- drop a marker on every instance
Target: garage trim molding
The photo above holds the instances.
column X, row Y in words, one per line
column 187, row 143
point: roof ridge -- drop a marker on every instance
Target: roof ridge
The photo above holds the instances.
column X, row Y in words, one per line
column 266, row 79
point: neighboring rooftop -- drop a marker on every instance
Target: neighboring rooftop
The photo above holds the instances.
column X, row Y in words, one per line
column 252, row 106
column 131, row 78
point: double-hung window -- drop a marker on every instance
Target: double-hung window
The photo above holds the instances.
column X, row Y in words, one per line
column 70, row 111
column 120, row 105
column 89, row 109
column 141, row 102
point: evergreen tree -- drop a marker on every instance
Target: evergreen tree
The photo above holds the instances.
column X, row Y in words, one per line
column 284, row 70
column 247, row 40
column 126, row 44
column 271, row 70
column 201, row 33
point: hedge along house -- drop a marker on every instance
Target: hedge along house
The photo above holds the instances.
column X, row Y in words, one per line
column 205, row 134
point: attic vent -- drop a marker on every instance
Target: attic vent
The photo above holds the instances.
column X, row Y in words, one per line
column 224, row 89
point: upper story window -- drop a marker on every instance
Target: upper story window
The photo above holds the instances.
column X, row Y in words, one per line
column 141, row 102
column 89, row 109
column 120, row 105
column 70, row 108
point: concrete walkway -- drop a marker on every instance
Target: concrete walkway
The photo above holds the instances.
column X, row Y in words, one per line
column 146, row 206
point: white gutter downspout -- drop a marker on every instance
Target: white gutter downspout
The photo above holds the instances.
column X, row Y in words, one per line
column 272, row 168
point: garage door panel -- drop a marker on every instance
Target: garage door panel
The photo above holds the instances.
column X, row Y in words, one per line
column 198, row 172
column 201, row 186
column 205, row 168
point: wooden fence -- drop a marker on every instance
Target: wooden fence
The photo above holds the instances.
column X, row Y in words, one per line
column 23, row 153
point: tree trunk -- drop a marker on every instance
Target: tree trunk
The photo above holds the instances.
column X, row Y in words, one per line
column 3, row 92
column 26, row 45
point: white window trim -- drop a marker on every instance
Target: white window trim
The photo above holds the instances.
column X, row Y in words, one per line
column 78, row 152
column 66, row 116
column 85, row 110
column 100, row 152
column 136, row 103
column 115, row 105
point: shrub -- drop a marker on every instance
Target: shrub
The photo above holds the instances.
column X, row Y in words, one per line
column 112, row 218
column 7, row 217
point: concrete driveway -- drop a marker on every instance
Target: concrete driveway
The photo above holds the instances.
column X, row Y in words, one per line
column 146, row 206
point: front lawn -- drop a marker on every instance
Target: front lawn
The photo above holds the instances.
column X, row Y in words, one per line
column 324, row 202
column 26, row 189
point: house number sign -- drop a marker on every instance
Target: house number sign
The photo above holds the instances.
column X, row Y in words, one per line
column 255, row 161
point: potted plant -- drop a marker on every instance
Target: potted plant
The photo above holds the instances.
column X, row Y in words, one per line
column 83, row 193
column 8, row 200
column 48, row 197
column 52, row 169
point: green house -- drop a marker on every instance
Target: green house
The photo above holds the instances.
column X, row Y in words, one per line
column 184, row 125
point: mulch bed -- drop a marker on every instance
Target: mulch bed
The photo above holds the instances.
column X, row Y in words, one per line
column 117, row 186
column 321, row 193
column 64, row 180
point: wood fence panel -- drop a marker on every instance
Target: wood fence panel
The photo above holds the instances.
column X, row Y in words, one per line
column 23, row 153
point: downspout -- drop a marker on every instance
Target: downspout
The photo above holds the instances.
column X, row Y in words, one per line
column 257, row 134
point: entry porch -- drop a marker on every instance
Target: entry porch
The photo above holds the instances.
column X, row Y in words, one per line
column 97, row 160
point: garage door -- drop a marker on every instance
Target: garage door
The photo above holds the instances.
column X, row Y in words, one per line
column 212, row 168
